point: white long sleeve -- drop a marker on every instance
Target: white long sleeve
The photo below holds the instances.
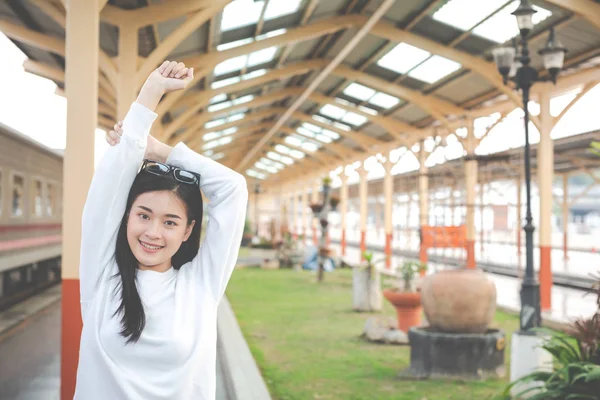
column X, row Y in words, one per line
column 226, row 213
column 107, row 198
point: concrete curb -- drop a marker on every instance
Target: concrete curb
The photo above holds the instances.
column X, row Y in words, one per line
column 20, row 312
column 241, row 376
column 547, row 322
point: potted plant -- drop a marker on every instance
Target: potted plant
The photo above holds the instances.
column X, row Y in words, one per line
column 288, row 253
column 366, row 285
column 405, row 296
column 247, row 235
column 576, row 366
column 316, row 208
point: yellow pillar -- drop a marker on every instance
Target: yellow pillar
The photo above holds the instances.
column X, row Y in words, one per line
column 423, row 197
column 362, row 193
column 388, row 191
column 81, row 77
column 127, row 62
column 343, row 209
column 545, row 176
column 471, row 183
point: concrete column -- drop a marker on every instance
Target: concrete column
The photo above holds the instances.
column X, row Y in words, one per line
column 423, row 197
column 127, row 62
column 344, row 209
column 81, row 76
column 315, row 222
column 294, row 210
column 278, row 202
column 565, row 216
column 545, row 176
column 304, row 207
column 470, row 184
column 364, row 208
column 388, row 191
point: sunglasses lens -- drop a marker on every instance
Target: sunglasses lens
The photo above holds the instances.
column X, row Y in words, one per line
column 157, row 168
column 185, row 176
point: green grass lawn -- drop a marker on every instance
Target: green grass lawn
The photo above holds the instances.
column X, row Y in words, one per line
column 305, row 339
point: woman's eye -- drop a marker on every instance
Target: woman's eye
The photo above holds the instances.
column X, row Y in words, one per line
column 170, row 223
column 144, row 216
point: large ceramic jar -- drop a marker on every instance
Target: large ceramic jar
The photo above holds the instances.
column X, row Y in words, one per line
column 460, row 300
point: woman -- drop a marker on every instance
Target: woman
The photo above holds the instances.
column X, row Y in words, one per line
column 149, row 292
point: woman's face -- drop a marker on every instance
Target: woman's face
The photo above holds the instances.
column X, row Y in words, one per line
column 156, row 228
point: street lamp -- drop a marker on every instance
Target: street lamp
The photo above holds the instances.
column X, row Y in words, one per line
column 513, row 64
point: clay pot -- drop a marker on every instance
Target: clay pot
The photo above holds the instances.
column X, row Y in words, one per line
column 461, row 300
column 408, row 307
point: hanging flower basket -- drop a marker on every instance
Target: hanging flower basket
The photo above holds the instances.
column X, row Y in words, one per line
column 325, row 252
column 334, row 201
column 316, row 208
column 323, row 223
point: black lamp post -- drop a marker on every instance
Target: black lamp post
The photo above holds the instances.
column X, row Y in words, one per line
column 514, row 66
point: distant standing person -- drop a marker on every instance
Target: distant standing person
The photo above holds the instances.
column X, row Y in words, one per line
column 149, row 292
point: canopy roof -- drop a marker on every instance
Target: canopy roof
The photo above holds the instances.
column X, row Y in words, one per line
column 424, row 69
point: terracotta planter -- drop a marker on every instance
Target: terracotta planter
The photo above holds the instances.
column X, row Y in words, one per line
column 462, row 300
column 408, row 307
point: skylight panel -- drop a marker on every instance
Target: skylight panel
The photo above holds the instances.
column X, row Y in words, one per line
column 262, row 56
column 434, row 69
column 208, row 153
column 272, row 163
column 384, row 100
column 359, row 92
column 243, row 99
column 311, row 127
column 219, row 106
column 271, row 34
column 354, row 119
column 305, row 132
column 270, row 169
column 216, row 122
column 218, row 142
column 332, row 111
column 218, row 156
column 294, row 141
column 323, row 138
column 218, row 98
column 278, row 157
column 310, row 147
column 503, row 25
column 331, row 134
column 282, row 149
column 403, row 58
column 297, row 154
column 254, row 174
column 232, row 45
column 210, row 136
column 453, row 12
column 254, row 74
column 236, row 117
column 321, row 119
column 225, row 82
column 241, row 13
column 279, row 8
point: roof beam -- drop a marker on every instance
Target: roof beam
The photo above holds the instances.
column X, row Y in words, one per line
column 176, row 37
column 586, row 9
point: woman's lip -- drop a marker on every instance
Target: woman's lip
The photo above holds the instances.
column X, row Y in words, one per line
column 149, row 250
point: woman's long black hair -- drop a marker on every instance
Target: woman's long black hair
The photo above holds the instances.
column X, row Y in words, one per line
column 133, row 317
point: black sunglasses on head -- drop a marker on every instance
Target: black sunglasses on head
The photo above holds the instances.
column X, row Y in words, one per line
column 180, row 175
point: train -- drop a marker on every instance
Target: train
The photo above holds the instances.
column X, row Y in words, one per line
column 30, row 216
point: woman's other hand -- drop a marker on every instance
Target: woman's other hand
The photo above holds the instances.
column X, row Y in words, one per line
column 114, row 136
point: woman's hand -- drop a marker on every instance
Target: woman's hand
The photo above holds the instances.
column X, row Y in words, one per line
column 155, row 149
column 169, row 77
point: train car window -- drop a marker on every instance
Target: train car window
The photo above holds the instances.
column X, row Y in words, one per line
column 37, row 198
column 50, row 200
column 18, row 189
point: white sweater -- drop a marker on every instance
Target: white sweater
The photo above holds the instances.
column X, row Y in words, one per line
column 175, row 357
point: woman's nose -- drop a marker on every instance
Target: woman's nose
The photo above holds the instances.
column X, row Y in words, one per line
column 153, row 230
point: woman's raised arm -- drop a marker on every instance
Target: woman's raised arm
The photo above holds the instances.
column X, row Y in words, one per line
column 107, row 195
